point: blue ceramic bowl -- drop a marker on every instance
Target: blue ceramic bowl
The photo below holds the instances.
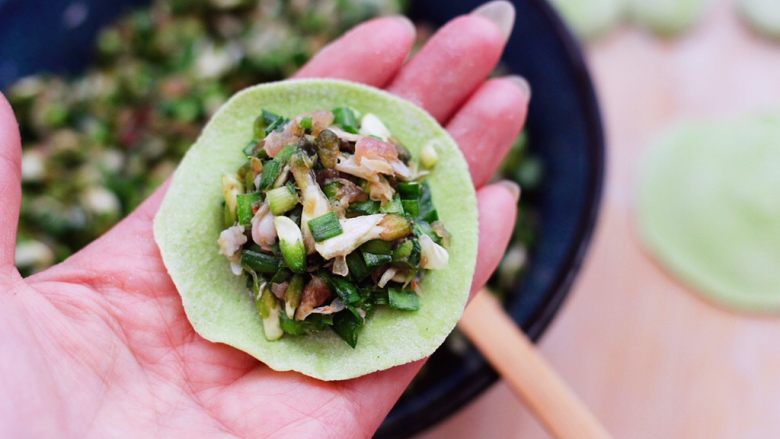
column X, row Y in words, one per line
column 564, row 125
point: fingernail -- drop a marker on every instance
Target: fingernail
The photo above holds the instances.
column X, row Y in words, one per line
column 521, row 83
column 403, row 19
column 501, row 13
column 512, row 187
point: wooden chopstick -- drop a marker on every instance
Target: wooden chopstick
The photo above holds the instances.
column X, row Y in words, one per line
column 518, row 362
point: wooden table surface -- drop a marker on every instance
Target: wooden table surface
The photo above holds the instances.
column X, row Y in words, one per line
column 652, row 359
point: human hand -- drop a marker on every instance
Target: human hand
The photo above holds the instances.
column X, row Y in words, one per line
column 99, row 345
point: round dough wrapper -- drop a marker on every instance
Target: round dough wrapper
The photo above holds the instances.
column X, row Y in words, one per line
column 217, row 303
column 667, row 17
column 709, row 209
column 762, row 15
column 590, row 19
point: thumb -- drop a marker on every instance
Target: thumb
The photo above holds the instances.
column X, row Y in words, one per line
column 10, row 182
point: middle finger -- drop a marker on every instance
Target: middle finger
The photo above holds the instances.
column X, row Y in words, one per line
column 456, row 60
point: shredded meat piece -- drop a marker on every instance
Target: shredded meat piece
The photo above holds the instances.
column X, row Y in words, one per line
column 314, row 294
column 371, row 148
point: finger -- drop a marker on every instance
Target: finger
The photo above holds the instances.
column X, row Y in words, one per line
column 456, row 60
column 10, row 181
column 497, row 213
column 370, row 53
column 489, row 122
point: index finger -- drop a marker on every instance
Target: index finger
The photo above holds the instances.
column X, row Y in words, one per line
column 456, row 60
column 10, row 181
column 370, row 53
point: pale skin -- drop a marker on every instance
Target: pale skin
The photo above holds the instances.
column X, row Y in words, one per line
column 99, row 346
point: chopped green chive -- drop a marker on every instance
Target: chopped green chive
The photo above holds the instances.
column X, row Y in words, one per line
column 345, row 289
column 347, row 326
column 271, row 122
column 271, row 172
column 281, row 199
column 249, row 149
column 244, row 203
column 411, row 207
column 313, row 323
column 291, row 243
column 364, row 208
column 403, row 250
column 305, row 123
column 259, row 262
column 377, row 246
column 280, row 276
column 357, row 266
column 346, row 119
column 409, row 190
column 273, row 168
column 285, row 154
column 403, row 299
column 292, row 295
column 269, row 311
column 427, row 211
column 231, row 188
column 393, row 206
column 331, row 189
column 325, row 226
column 374, row 260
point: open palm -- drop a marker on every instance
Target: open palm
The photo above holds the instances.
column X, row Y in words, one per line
column 99, row 345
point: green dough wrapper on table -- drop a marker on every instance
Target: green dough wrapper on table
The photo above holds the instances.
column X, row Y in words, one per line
column 762, row 15
column 667, row 17
column 709, row 209
column 217, row 303
column 590, row 19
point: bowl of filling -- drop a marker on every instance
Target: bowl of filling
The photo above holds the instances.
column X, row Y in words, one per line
column 111, row 97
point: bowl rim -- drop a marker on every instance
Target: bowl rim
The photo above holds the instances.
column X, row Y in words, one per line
column 557, row 291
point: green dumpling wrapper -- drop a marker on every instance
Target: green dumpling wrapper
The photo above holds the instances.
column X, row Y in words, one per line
column 216, row 302
column 709, row 209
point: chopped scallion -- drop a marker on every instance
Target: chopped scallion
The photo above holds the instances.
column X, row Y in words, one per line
column 331, row 189
column 273, row 168
column 403, row 299
column 346, row 119
column 249, row 149
column 244, row 206
column 325, row 226
column 292, row 295
column 281, row 199
column 374, row 260
column 305, row 123
column 409, row 190
column 393, row 206
column 357, row 267
column 411, row 207
column 403, row 250
column 346, row 290
column 291, row 243
column 377, row 246
column 269, row 310
column 259, row 262
column 364, row 208
column 347, row 326
column 427, row 211
column 272, row 122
